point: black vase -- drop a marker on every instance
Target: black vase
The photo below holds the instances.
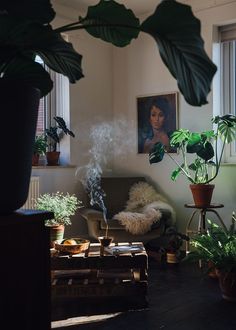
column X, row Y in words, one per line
column 19, row 112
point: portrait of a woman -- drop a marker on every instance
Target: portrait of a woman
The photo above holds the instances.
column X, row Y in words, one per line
column 156, row 121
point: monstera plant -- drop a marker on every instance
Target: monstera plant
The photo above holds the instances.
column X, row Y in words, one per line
column 26, row 31
column 200, row 156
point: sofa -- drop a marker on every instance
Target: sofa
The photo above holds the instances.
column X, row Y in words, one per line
column 116, row 196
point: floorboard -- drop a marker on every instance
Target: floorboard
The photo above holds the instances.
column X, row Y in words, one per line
column 180, row 297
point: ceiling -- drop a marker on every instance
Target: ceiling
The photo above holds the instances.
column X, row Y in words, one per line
column 139, row 7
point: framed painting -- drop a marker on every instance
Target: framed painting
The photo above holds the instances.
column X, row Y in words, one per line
column 157, row 117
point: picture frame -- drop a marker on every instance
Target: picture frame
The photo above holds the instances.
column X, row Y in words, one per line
column 157, row 118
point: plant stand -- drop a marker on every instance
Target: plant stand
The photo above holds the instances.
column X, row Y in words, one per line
column 201, row 212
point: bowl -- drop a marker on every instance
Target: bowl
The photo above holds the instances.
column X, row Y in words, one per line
column 105, row 240
column 73, row 245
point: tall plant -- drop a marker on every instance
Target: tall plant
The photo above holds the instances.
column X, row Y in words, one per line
column 205, row 145
column 25, row 31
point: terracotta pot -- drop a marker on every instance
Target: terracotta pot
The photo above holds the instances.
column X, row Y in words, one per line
column 53, row 158
column 19, row 112
column 56, row 233
column 227, row 283
column 202, row 194
column 35, row 160
column 171, row 258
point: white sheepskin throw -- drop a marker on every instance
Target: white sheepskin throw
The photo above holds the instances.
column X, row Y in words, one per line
column 138, row 223
column 140, row 195
column 142, row 209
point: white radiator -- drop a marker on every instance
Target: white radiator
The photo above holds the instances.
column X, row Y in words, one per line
column 33, row 193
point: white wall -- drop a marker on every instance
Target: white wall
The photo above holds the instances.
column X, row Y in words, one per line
column 113, row 79
column 139, row 70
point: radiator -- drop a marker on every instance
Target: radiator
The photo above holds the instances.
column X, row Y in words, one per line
column 33, row 193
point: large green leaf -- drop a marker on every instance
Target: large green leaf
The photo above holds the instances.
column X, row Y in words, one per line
column 179, row 137
column 35, row 10
column 177, row 33
column 206, row 152
column 157, row 153
column 19, row 38
column 112, row 22
column 58, row 54
column 26, row 70
column 227, row 127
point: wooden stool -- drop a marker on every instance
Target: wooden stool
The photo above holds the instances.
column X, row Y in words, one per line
column 201, row 212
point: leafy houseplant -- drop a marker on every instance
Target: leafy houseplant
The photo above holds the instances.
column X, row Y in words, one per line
column 40, row 147
column 25, row 31
column 218, row 246
column 54, row 135
column 174, row 242
column 63, row 206
column 205, row 147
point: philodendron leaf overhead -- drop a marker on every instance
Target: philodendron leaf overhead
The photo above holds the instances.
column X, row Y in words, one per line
column 107, row 19
column 25, row 32
column 177, row 33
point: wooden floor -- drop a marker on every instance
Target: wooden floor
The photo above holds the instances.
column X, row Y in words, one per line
column 179, row 298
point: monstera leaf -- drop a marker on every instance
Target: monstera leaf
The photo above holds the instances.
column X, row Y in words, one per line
column 157, row 153
column 177, row 33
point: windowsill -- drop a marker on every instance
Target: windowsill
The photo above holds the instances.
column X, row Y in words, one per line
column 43, row 167
column 228, row 164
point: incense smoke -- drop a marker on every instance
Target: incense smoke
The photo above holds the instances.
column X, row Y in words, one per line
column 107, row 139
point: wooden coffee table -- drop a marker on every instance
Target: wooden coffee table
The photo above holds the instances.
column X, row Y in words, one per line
column 97, row 275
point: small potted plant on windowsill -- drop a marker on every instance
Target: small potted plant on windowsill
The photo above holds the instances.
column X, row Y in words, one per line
column 40, row 147
column 54, row 135
column 201, row 171
column 63, row 206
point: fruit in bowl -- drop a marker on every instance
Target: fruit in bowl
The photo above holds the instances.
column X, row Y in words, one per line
column 72, row 245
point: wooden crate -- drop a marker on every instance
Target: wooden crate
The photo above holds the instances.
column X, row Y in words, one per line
column 99, row 274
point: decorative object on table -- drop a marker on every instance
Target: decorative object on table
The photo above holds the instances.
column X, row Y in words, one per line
column 157, row 119
column 173, row 244
column 218, row 246
column 105, row 240
column 54, row 135
column 21, row 26
column 143, row 209
column 206, row 165
column 40, row 147
column 63, row 205
column 72, row 245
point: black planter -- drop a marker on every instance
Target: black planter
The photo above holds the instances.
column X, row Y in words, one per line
column 19, row 111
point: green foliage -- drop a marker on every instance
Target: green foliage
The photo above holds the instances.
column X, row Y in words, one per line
column 205, row 167
column 40, row 145
column 25, row 31
column 62, row 205
column 174, row 240
column 216, row 245
column 55, row 133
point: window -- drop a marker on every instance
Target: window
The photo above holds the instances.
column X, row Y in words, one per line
column 56, row 103
column 228, row 78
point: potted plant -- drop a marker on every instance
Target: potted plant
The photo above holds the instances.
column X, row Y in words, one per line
column 63, row 206
column 205, row 147
column 54, row 135
column 218, row 246
column 173, row 244
column 40, row 147
column 25, row 31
